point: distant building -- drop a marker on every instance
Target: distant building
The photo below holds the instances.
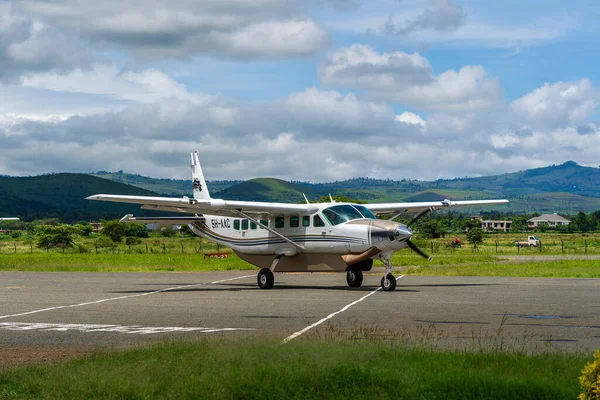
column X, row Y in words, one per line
column 96, row 226
column 489, row 225
column 550, row 220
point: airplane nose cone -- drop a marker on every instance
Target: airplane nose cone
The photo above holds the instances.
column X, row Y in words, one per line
column 403, row 233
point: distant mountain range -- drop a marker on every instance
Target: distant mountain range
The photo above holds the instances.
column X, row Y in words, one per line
column 565, row 188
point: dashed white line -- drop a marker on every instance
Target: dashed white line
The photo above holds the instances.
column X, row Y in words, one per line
column 347, row 306
column 121, row 297
column 132, row 329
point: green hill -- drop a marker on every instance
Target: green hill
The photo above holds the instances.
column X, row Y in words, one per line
column 566, row 188
column 169, row 187
column 268, row 189
column 63, row 196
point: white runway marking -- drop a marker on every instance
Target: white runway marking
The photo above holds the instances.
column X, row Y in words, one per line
column 296, row 334
column 133, row 329
column 121, row 297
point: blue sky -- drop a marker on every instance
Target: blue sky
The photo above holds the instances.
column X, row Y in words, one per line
column 315, row 90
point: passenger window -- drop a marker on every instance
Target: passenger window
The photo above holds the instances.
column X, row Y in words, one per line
column 317, row 221
column 279, row 222
column 252, row 225
column 244, row 224
column 305, row 221
column 264, row 222
column 236, row 224
column 294, row 221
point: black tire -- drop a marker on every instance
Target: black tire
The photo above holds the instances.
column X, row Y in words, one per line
column 354, row 278
column 265, row 278
column 388, row 283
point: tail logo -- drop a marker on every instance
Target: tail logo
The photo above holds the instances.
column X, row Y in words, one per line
column 197, row 185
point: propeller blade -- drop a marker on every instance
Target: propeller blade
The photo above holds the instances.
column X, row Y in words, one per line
column 418, row 250
column 419, row 215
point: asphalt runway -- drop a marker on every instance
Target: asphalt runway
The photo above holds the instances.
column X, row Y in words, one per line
column 92, row 310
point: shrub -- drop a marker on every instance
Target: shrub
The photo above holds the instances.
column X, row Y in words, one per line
column 15, row 234
column 590, row 379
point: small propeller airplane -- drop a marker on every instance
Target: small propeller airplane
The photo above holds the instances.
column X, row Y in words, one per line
column 287, row 237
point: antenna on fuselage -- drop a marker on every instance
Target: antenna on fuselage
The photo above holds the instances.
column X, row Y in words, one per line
column 307, row 202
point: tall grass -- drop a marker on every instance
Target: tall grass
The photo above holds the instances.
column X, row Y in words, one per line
column 260, row 368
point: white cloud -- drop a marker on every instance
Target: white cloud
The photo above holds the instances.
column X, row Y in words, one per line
column 264, row 29
column 147, row 86
column 412, row 119
column 28, row 46
column 409, row 79
column 559, row 103
column 444, row 15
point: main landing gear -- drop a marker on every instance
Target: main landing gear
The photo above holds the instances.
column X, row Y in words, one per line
column 388, row 282
column 354, row 278
column 265, row 276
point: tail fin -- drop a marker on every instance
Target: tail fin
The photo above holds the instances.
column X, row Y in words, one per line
column 200, row 188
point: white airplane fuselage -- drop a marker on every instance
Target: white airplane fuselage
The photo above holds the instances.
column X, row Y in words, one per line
column 308, row 247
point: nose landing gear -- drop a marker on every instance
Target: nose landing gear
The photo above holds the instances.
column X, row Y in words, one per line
column 388, row 282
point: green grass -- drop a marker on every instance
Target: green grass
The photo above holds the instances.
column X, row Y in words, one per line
column 118, row 262
column 261, row 368
column 542, row 269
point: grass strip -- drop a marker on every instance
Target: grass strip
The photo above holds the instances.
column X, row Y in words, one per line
column 118, row 262
column 541, row 269
column 261, row 368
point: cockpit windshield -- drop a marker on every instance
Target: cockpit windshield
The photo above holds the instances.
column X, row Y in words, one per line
column 365, row 211
column 342, row 213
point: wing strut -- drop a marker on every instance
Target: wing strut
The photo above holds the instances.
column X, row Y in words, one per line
column 274, row 232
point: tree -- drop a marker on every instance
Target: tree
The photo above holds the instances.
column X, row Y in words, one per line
column 168, row 231
column 136, row 230
column 56, row 236
column 431, row 229
column 475, row 235
column 186, row 231
column 84, row 230
column 519, row 224
column 114, row 230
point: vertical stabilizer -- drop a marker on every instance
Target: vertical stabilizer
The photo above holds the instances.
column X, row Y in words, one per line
column 198, row 182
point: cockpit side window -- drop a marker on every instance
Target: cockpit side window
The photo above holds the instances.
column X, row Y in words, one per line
column 317, row 221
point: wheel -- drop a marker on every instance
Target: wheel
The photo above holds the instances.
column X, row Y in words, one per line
column 388, row 283
column 265, row 278
column 354, row 278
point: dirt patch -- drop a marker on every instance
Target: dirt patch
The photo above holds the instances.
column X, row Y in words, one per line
column 13, row 356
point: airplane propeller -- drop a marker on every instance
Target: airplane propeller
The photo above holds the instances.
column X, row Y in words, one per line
column 418, row 250
column 402, row 233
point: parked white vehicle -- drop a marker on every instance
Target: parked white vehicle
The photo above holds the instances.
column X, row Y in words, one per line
column 532, row 241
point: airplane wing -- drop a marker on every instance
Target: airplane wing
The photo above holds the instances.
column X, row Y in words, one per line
column 401, row 208
column 228, row 208
column 8, row 219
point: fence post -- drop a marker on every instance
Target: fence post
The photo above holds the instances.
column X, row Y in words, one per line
column 432, row 247
column 585, row 241
column 496, row 246
column 540, row 246
column 562, row 246
column 14, row 244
